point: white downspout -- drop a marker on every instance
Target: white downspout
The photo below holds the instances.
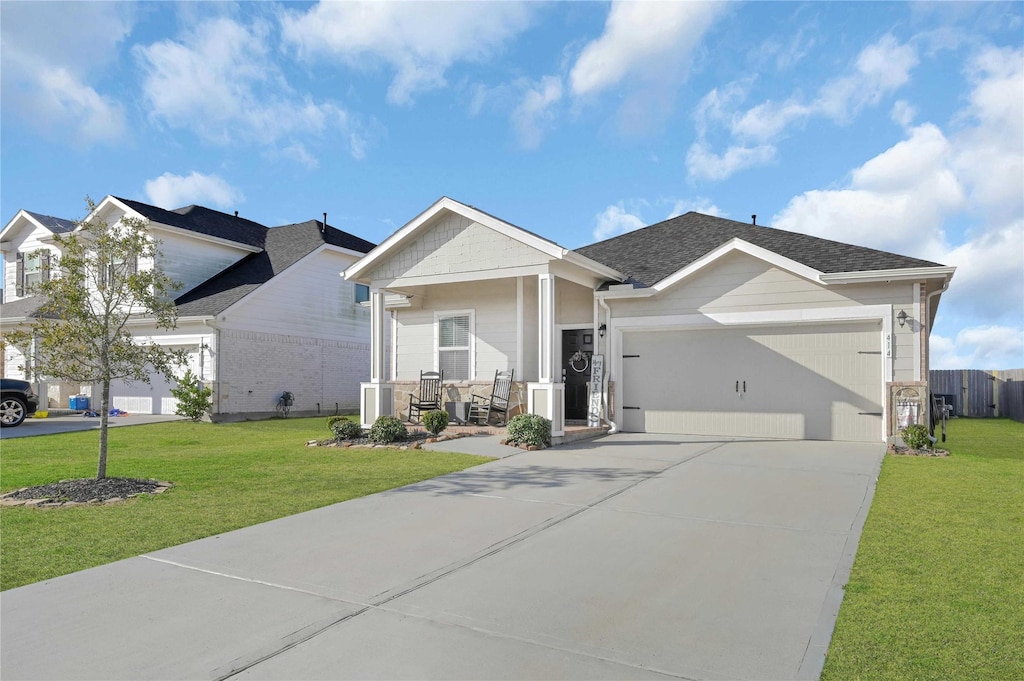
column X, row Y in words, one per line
column 608, row 363
column 215, row 360
column 927, row 330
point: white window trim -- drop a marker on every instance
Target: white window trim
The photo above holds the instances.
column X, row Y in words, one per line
column 438, row 316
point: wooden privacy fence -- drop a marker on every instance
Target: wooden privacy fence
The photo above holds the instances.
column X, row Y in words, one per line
column 981, row 394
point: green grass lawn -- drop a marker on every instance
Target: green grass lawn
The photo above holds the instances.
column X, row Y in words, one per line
column 226, row 476
column 937, row 588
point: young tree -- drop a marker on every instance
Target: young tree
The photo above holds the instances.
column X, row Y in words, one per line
column 80, row 333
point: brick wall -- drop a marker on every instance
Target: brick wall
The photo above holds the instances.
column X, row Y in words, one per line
column 255, row 368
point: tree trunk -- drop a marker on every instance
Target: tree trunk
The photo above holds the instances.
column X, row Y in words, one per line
column 101, row 471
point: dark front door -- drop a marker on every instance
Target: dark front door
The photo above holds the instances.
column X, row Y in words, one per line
column 577, row 347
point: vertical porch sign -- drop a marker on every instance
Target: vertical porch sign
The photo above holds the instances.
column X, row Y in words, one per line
column 596, row 380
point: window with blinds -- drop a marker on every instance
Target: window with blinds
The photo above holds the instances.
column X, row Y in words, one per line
column 453, row 346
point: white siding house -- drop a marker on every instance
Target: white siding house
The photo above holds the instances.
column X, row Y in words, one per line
column 261, row 310
column 707, row 326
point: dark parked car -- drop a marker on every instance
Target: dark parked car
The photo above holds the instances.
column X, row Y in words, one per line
column 17, row 401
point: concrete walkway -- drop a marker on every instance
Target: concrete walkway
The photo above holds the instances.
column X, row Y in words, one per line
column 627, row 557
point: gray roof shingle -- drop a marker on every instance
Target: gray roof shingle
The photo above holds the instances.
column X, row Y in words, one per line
column 649, row 255
column 283, row 247
column 55, row 225
column 203, row 221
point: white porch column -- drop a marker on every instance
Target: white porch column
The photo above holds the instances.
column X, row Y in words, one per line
column 547, row 398
column 376, row 398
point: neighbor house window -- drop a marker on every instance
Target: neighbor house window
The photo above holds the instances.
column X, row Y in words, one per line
column 455, row 345
column 362, row 293
column 33, row 269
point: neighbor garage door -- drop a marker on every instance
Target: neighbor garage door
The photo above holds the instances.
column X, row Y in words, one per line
column 820, row 382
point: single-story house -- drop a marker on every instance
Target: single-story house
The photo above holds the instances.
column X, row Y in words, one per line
column 261, row 311
column 703, row 325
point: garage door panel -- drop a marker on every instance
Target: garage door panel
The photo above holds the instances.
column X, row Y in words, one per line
column 816, row 382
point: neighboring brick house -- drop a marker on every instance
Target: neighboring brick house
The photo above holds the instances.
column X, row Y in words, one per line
column 262, row 310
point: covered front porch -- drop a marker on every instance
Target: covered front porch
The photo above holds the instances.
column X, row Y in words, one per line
column 462, row 293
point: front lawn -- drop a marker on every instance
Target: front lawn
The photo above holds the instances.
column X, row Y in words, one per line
column 226, row 476
column 937, row 588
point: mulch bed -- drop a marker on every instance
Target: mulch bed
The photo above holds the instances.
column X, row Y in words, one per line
column 83, row 491
column 907, row 451
column 414, row 440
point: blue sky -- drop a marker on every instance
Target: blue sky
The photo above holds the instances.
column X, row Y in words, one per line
column 892, row 125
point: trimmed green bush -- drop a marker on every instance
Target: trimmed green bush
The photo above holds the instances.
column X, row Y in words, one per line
column 194, row 401
column 331, row 420
column 530, row 430
column 915, row 436
column 387, row 429
column 435, row 421
column 346, row 429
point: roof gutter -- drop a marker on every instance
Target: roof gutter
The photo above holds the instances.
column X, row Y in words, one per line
column 869, row 276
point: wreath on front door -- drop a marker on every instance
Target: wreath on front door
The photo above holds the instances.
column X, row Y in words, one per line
column 579, row 356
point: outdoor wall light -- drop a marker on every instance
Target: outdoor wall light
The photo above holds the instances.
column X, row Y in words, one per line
column 601, row 329
column 902, row 318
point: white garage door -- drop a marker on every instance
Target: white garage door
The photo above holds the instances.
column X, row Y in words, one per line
column 820, row 382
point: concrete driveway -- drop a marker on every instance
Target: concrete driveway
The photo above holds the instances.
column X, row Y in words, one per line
column 633, row 556
column 70, row 424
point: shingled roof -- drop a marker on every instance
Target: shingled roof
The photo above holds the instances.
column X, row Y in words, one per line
column 203, row 221
column 283, row 247
column 55, row 225
column 649, row 255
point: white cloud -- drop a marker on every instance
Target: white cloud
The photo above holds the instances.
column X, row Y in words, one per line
column 701, row 162
column 910, row 198
column 880, row 69
column 641, row 39
column 615, row 220
column 533, row 115
column 219, row 82
column 420, row 40
column 896, row 201
column 173, row 191
column 645, row 52
column 52, row 55
column 700, row 204
column 297, row 152
column 979, row 347
column 903, row 113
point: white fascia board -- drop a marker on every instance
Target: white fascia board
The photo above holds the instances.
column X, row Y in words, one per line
column 583, row 261
column 188, row 233
column 346, row 251
column 459, row 277
column 446, row 204
column 739, row 245
column 21, row 215
column 869, row 276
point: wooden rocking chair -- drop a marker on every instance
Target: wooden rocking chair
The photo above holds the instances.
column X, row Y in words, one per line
column 429, row 396
column 482, row 408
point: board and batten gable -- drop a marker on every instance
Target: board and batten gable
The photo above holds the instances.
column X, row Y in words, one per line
column 739, row 283
column 454, row 244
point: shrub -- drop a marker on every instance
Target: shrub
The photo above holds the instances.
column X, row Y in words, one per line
column 193, row 399
column 435, row 421
column 346, row 429
column 915, row 436
column 331, row 420
column 529, row 429
column 387, row 429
